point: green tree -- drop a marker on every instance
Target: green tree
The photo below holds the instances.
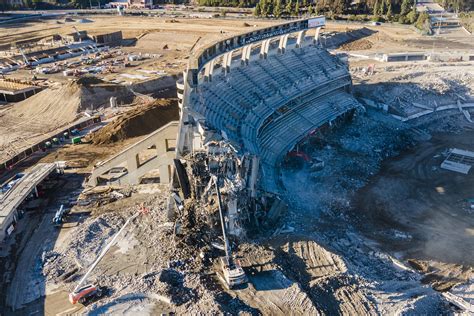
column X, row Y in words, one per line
column 310, row 10
column 289, row 7
column 277, row 10
column 257, row 11
column 412, row 16
column 305, row 3
column 264, row 8
column 422, row 22
column 405, row 8
column 376, row 8
column 297, row 8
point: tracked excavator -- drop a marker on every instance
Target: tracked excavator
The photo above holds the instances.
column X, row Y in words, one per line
column 230, row 272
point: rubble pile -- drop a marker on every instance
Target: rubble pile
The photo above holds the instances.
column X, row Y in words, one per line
column 99, row 196
column 350, row 154
column 173, row 265
column 415, row 88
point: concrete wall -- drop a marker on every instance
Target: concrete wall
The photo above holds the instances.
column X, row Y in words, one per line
column 99, row 95
column 129, row 158
column 109, row 38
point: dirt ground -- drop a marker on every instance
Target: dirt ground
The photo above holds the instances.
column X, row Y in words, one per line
column 419, row 211
column 139, row 121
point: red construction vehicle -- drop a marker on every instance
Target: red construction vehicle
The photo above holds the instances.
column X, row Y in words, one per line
column 82, row 294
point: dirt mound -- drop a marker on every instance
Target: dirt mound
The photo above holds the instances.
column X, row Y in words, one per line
column 28, row 121
column 55, row 105
column 139, row 121
column 360, row 44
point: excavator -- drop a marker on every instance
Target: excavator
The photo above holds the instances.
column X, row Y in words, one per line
column 82, row 293
column 230, row 272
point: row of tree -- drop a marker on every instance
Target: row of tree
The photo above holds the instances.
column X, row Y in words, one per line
column 402, row 10
column 457, row 5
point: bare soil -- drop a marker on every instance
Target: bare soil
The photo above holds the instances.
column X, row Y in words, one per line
column 420, row 212
column 139, row 121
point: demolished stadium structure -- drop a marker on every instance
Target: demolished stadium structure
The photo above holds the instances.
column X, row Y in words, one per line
column 245, row 102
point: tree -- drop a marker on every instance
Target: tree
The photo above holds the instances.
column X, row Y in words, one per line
column 338, row 6
column 297, row 8
column 422, row 22
column 405, row 8
column 310, row 10
column 412, row 16
column 257, row 11
column 289, row 7
column 376, row 7
column 389, row 9
column 264, row 8
column 382, row 7
column 277, row 11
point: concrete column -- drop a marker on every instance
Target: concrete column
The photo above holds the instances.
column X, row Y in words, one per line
column 264, row 49
column 132, row 166
column 316, row 36
column 164, row 174
column 132, row 162
column 282, row 43
column 247, row 50
column 233, row 217
column 253, row 176
column 300, row 39
column 209, row 70
column 183, row 122
column 227, row 62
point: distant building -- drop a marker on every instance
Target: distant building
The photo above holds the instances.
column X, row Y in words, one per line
column 138, row 4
